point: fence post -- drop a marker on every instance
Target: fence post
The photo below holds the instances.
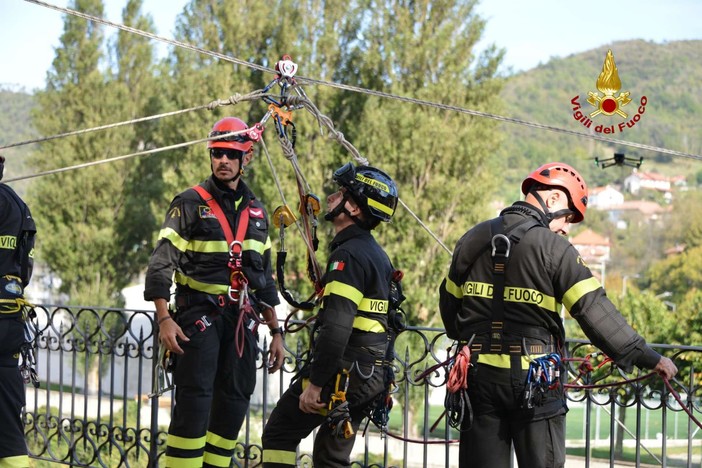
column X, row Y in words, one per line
column 153, row 430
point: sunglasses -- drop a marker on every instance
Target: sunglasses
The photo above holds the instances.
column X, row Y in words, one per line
column 232, row 155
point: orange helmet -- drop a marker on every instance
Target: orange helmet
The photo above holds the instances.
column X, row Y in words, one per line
column 240, row 142
column 564, row 176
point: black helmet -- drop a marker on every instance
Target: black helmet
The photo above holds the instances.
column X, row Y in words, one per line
column 372, row 189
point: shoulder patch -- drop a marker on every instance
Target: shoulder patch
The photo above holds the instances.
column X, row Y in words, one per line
column 174, row 213
column 205, row 212
column 256, row 212
column 336, row 266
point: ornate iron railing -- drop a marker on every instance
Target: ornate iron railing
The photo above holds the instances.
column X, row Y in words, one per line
column 93, row 407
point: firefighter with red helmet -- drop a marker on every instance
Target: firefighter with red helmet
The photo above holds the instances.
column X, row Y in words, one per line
column 347, row 370
column 17, row 231
column 215, row 242
column 502, row 297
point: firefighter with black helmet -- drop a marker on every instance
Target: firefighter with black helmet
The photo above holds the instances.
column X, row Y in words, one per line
column 215, row 240
column 348, row 354
column 502, row 297
column 17, row 231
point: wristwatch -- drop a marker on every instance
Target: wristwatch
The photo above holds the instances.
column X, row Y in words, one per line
column 276, row 331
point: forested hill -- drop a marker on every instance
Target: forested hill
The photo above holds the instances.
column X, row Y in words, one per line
column 668, row 74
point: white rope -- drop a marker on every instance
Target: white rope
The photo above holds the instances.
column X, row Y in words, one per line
column 231, row 100
column 121, row 158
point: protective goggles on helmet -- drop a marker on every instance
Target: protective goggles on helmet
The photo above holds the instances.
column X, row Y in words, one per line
column 235, row 138
column 345, row 175
column 231, row 154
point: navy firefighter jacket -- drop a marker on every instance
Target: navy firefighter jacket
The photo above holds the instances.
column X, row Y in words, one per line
column 192, row 244
column 356, row 300
column 544, row 270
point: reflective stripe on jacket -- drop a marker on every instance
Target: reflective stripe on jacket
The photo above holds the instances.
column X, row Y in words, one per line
column 356, row 297
column 543, row 272
column 192, row 245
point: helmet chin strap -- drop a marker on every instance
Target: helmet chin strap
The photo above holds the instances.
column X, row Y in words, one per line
column 548, row 214
column 340, row 208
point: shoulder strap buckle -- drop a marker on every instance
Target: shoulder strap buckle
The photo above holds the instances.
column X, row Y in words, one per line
column 508, row 245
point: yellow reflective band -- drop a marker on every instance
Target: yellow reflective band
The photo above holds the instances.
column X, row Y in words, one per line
column 20, row 461
column 212, row 459
column 453, row 289
column 379, row 206
column 578, row 290
column 343, row 290
column 185, row 443
column 256, row 246
column 220, row 442
column 375, row 306
column 177, row 462
column 366, row 324
column 8, row 242
column 200, row 286
column 503, row 360
column 193, row 245
column 283, row 457
column 512, row 294
column 373, row 183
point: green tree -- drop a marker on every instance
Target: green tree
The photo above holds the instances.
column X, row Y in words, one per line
column 80, row 214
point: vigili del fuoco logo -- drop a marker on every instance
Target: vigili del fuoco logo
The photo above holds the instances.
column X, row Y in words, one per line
column 608, row 102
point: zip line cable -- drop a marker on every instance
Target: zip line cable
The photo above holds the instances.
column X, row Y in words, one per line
column 119, row 158
column 381, row 94
column 232, row 100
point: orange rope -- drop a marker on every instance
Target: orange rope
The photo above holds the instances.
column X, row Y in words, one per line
column 458, row 376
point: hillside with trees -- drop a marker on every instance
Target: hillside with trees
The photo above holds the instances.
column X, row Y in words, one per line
column 667, row 74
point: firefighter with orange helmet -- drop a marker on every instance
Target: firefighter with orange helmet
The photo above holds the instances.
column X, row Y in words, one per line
column 502, row 298
column 215, row 242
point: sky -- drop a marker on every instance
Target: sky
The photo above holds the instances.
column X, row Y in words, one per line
column 531, row 31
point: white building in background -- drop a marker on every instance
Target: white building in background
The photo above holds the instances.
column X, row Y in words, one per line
column 604, row 197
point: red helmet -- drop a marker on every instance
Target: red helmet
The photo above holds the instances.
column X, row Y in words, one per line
column 240, row 142
column 564, row 176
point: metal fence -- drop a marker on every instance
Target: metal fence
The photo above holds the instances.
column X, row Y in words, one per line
column 93, row 409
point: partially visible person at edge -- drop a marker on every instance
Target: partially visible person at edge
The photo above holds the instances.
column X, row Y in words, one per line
column 506, row 331
column 17, row 231
column 213, row 341
column 350, row 333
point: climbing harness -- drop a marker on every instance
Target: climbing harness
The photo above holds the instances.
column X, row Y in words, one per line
column 238, row 291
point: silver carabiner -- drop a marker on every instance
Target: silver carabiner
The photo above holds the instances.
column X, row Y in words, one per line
column 494, row 247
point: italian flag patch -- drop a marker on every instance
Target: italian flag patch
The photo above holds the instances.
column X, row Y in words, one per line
column 336, row 266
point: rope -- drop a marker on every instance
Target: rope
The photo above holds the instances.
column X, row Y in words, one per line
column 120, row 158
column 231, row 100
column 381, row 94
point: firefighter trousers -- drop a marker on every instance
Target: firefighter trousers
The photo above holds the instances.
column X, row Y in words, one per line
column 500, row 422
column 213, row 389
column 13, row 448
column 288, row 425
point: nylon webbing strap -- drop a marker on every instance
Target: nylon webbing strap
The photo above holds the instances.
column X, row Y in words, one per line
column 217, row 210
column 500, row 255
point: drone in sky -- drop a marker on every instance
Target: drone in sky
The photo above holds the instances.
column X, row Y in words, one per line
column 619, row 159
